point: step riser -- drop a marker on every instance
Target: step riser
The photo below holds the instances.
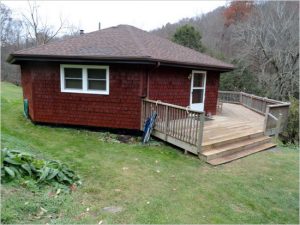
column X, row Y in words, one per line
column 238, row 149
column 233, row 140
column 240, row 154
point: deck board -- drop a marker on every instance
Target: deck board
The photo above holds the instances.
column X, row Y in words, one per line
column 234, row 120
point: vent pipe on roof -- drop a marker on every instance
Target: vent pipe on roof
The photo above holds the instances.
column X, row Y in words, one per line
column 99, row 26
column 81, row 32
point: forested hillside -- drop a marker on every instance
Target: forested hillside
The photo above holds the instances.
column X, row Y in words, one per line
column 260, row 38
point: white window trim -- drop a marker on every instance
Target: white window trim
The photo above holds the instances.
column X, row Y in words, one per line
column 84, row 89
column 199, row 88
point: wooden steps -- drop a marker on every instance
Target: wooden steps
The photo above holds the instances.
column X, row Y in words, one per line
column 229, row 149
column 240, row 154
column 233, row 137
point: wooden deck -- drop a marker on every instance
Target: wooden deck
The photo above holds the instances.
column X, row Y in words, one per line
column 240, row 129
column 234, row 120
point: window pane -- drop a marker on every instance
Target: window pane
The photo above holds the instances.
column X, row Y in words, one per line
column 75, row 84
column 99, row 85
column 198, row 80
column 197, row 96
column 73, row 72
column 96, row 73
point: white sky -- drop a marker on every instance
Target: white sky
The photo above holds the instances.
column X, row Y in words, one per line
column 146, row 15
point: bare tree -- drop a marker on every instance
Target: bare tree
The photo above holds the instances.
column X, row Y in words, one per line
column 38, row 30
column 268, row 42
column 11, row 40
column 17, row 34
column 11, row 29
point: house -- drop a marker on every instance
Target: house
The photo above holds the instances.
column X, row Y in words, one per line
column 105, row 78
column 99, row 78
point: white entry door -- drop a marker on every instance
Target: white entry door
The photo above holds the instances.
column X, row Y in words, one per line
column 198, row 84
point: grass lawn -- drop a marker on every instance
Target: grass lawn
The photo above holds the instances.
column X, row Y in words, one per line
column 152, row 184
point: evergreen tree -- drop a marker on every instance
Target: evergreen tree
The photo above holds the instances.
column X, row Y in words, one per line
column 189, row 37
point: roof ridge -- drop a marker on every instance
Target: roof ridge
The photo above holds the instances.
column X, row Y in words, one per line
column 137, row 41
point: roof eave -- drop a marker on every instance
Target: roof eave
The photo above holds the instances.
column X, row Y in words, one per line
column 18, row 58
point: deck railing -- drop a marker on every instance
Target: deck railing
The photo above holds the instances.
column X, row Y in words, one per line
column 175, row 124
column 275, row 112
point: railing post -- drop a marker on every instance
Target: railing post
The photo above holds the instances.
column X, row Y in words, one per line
column 266, row 119
column 167, row 122
column 241, row 97
column 264, row 105
column 278, row 125
column 200, row 133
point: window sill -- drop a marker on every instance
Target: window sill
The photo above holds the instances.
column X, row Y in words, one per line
column 85, row 92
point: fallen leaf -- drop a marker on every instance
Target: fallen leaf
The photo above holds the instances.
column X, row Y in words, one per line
column 58, row 191
column 44, row 210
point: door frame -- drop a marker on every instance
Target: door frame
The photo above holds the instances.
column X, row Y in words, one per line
column 203, row 88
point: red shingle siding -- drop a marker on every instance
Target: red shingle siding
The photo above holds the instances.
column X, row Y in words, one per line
column 170, row 85
column 173, row 86
column 26, row 82
column 119, row 109
column 211, row 95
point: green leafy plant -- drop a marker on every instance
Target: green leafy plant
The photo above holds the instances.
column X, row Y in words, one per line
column 16, row 164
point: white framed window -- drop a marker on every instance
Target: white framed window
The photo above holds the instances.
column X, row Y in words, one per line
column 89, row 79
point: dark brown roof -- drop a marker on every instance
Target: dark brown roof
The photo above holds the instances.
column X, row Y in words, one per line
column 121, row 42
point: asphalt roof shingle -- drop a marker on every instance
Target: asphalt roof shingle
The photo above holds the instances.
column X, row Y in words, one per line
column 125, row 42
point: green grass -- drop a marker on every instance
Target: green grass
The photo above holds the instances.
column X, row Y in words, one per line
column 262, row 188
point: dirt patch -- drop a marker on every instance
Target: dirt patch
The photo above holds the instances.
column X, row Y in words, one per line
column 127, row 139
column 119, row 138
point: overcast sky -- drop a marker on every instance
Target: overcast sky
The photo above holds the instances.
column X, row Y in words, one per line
column 146, row 15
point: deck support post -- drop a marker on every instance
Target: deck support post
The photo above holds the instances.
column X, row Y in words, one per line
column 278, row 125
column 200, row 133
